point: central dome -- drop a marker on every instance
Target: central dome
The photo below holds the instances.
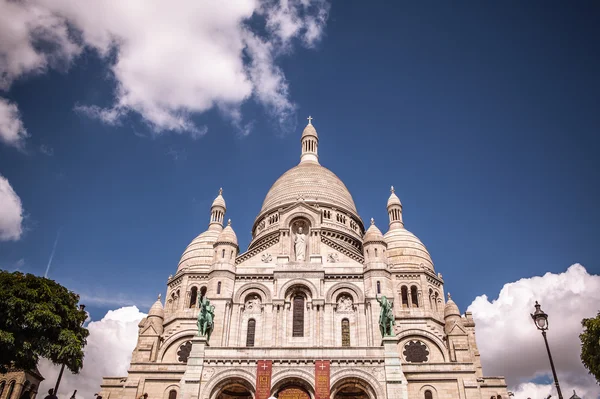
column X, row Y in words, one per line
column 311, row 182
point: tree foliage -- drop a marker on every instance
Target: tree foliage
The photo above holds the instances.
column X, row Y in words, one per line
column 39, row 318
column 590, row 345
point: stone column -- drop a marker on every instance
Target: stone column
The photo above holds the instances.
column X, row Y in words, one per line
column 190, row 382
column 395, row 381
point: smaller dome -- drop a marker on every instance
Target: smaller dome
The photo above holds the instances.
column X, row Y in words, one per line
column 393, row 200
column 309, row 130
column 200, row 251
column 406, row 250
column 451, row 308
column 157, row 309
column 227, row 236
column 219, row 201
column 373, row 234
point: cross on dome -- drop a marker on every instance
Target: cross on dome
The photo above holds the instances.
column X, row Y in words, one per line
column 449, row 297
column 310, row 118
column 229, row 222
column 372, row 221
column 392, row 189
column 221, row 191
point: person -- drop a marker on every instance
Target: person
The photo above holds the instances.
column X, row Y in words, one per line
column 51, row 394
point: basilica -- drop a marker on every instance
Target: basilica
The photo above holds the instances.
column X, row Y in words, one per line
column 297, row 315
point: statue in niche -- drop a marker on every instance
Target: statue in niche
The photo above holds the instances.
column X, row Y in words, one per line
column 300, row 244
column 344, row 304
column 253, row 304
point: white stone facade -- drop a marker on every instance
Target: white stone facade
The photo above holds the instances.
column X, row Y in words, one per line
column 307, row 287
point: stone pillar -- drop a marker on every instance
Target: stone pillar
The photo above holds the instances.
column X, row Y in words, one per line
column 190, row 382
column 395, row 381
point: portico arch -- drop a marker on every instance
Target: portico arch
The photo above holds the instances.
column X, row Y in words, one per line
column 355, row 384
column 293, row 384
column 233, row 384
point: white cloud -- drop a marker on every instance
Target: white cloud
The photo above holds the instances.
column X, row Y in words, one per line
column 511, row 345
column 33, row 38
column 169, row 63
column 107, row 353
column 11, row 212
column 12, row 131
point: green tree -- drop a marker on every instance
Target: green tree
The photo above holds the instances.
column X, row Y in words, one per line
column 590, row 345
column 39, row 318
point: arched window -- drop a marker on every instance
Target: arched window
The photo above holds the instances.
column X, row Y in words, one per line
column 11, row 388
column 375, row 252
column 223, row 254
column 414, row 296
column 428, row 394
column 435, row 297
column 172, row 394
column 404, row 294
column 251, row 332
column 430, row 299
column 193, row 297
column 345, row 332
column 2, row 384
column 378, row 287
column 298, row 317
column 218, row 288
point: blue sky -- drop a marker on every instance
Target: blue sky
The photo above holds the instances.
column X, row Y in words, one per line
column 483, row 116
column 119, row 124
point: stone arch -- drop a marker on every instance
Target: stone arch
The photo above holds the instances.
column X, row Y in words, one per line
column 294, row 213
column 425, row 335
column 175, row 339
column 291, row 376
column 357, row 295
column 430, row 388
column 168, row 390
column 357, row 377
column 228, row 377
column 245, row 289
column 298, row 282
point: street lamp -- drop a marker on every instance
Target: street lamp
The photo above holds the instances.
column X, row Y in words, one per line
column 62, row 368
column 541, row 322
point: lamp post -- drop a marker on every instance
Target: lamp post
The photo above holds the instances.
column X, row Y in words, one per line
column 541, row 322
column 62, row 367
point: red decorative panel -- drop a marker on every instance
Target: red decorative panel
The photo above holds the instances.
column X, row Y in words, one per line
column 322, row 379
column 263, row 379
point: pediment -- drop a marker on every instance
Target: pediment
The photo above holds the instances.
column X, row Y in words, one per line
column 457, row 329
column 149, row 330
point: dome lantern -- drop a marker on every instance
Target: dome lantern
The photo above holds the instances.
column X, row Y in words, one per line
column 394, row 208
column 217, row 210
column 310, row 143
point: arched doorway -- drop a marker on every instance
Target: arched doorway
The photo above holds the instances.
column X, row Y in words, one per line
column 352, row 388
column 234, row 389
column 292, row 388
